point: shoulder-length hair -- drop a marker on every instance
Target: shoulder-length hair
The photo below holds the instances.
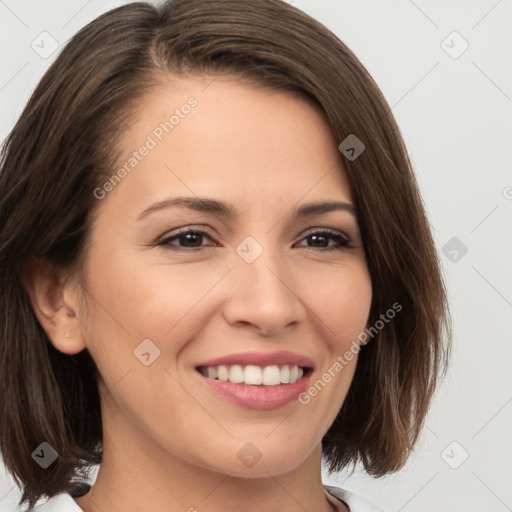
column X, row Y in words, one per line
column 67, row 139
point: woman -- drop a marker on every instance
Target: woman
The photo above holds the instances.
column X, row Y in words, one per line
column 217, row 268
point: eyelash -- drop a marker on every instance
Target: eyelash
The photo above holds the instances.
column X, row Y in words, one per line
column 342, row 245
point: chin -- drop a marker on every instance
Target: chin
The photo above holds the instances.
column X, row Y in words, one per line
column 259, row 459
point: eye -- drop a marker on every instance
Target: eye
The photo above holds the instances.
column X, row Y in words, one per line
column 321, row 238
column 191, row 238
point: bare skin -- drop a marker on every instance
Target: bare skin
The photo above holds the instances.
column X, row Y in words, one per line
column 169, row 440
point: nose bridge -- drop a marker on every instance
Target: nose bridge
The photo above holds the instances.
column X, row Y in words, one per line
column 265, row 269
column 263, row 290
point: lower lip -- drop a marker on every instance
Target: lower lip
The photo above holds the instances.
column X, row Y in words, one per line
column 264, row 398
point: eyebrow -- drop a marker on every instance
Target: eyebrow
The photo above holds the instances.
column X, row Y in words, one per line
column 229, row 211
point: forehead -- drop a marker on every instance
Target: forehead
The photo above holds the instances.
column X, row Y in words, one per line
column 229, row 139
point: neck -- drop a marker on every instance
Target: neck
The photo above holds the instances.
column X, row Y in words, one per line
column 135, row 472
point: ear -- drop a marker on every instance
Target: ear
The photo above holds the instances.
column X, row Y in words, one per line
column 54, row 299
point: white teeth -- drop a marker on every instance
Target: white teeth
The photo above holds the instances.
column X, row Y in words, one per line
column 222, row 373
column 252, row 375
column 294, row 372
column 236, row 374
column 285, row 374
column 272, row 375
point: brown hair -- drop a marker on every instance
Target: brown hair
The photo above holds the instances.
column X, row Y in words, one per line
column 67, row 138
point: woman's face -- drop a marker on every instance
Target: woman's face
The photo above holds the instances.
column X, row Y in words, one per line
column 261, row 288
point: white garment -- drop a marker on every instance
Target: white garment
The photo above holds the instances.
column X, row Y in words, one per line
column 63, row 502
column 353, row 501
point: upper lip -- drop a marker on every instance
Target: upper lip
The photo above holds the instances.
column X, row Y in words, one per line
column 261, row 359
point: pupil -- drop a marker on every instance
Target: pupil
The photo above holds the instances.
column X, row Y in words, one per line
column 189, row 237
column 318, row 238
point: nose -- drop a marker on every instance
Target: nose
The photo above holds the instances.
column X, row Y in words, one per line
column 264, row 295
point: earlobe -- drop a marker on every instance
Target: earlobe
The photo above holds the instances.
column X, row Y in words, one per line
column 54, row 302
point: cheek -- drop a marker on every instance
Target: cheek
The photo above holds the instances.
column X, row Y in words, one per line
column 133, row 301
column 164, row 301
column 342, row 300
column 147, row 299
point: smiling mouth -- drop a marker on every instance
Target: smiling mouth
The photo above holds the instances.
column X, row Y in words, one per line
column 273, row 375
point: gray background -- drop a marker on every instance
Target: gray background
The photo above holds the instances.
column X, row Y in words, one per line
column 454, row 110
